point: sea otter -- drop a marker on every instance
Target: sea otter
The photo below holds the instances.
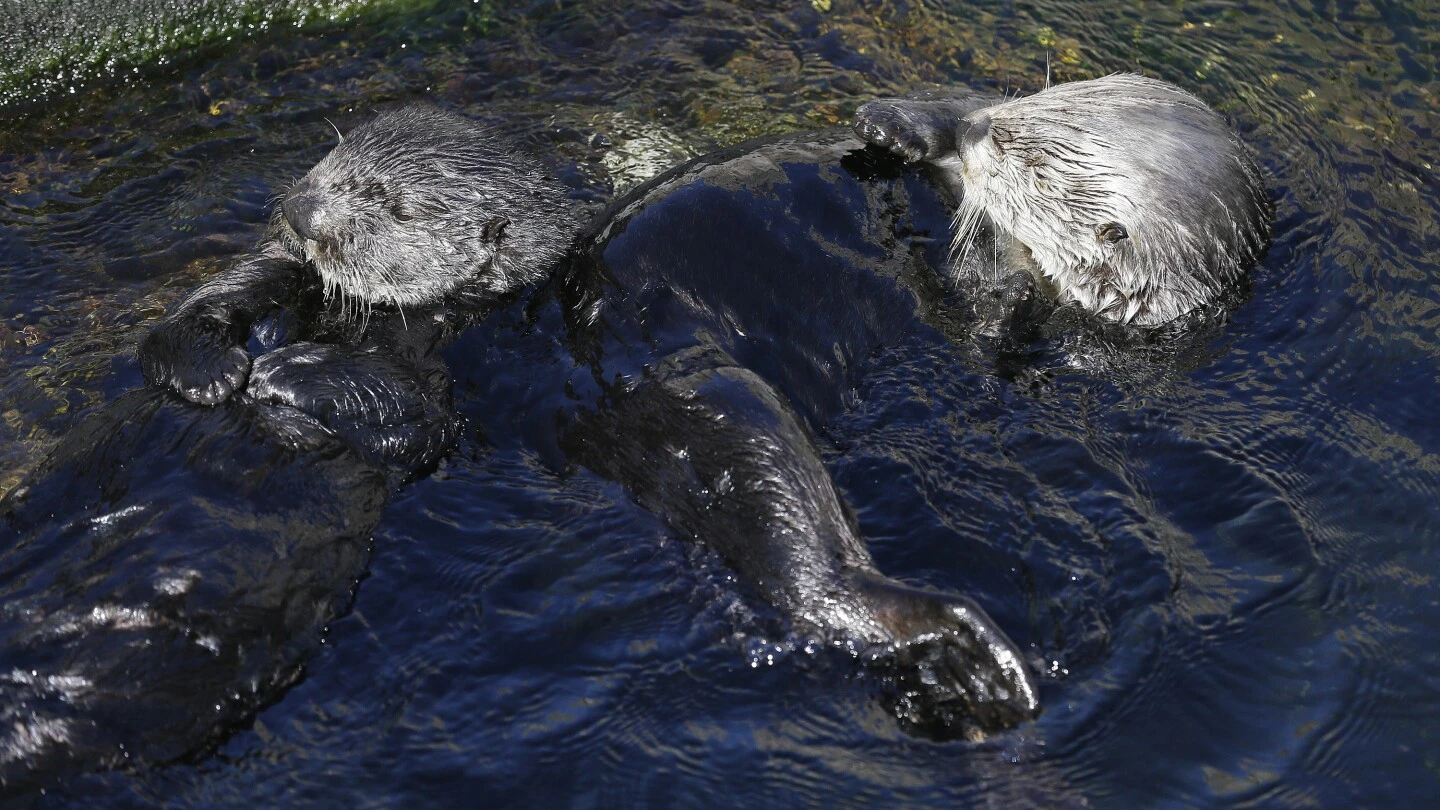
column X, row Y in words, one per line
column 702, row 432
column 1123, row 195
column 704, row 328
column 721, row 312
column 169, row 568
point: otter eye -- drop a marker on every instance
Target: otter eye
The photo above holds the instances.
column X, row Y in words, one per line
column 399, row 213
column 1111, row 232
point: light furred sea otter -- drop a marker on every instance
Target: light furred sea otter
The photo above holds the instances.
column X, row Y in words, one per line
column 1124, row 195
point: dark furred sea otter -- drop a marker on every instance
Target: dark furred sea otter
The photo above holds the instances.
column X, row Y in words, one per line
column 171, row 566
column 695, row 349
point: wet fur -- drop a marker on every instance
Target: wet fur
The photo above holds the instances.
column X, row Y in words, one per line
column 1057, row 176
column 172, row 564
column 170, row 567
column 364, row 214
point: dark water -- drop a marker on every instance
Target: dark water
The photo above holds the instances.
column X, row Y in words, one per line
column 1225, row 564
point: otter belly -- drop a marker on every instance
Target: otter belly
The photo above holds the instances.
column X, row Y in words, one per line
column 170, row 566
column 711, row 322
column 165, row 573
column 797, row 257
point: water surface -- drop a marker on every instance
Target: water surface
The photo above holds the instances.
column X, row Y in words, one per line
column 1224, row 564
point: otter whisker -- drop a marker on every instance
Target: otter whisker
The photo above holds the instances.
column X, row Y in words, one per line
column 966, row 226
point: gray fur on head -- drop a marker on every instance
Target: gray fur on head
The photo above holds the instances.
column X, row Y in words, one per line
column 418, row 201
column 1132, row 197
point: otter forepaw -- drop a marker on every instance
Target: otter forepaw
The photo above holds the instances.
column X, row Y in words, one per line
column 385, row 408
column 955, row 670
column 915, row 129
column 197, row 356
column 1023, row 307
column 891, row 123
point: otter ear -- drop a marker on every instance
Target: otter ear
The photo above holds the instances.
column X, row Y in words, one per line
column 494, row 228
column 1111, row 232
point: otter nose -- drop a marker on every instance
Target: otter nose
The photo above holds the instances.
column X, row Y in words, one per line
column 300, row 209
column 977, row 131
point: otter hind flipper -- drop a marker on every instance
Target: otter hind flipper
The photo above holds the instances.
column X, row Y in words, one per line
column 955, row 671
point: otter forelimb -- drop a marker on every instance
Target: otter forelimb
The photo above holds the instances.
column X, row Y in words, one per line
column 198, row 350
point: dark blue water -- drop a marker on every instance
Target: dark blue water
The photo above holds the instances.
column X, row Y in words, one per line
column 1224, row 563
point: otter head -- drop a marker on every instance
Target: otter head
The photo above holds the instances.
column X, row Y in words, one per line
column 1131, row 196
column 418, row 201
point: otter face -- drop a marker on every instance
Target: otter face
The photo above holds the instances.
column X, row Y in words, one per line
column 1130, row 195
column 418, row 201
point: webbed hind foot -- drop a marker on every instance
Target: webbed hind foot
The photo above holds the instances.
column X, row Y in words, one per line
column 956, row 673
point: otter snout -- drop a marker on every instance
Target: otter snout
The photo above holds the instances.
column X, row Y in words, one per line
column 301, row 208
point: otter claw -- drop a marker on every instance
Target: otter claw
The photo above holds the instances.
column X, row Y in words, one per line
column 230, row 375
column 211, row 381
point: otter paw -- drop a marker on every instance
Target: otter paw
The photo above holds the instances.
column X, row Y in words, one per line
column 961, row 680
column 386, row 409
column 902, row 128
column 955, row 671
column 197, row 356
column 1024, row 307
